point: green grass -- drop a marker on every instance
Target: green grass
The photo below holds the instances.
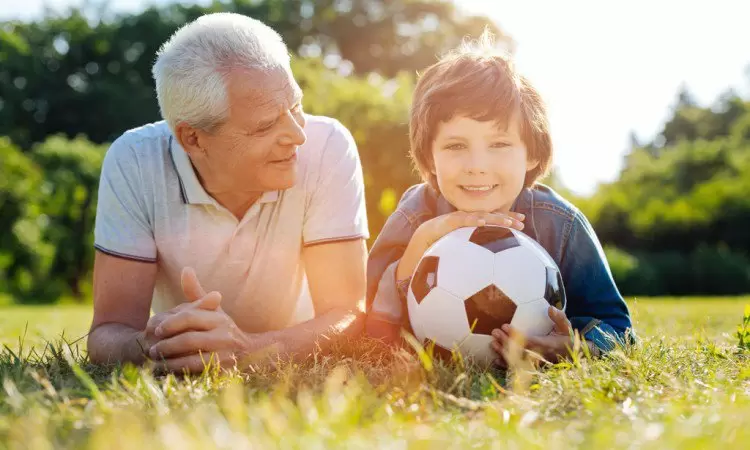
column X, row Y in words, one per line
column 685, row 386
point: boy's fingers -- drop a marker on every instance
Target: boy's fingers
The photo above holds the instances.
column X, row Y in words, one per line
column 191, row 287
column 500, row 219
column 562, row 324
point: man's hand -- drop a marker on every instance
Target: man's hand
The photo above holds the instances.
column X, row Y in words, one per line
column 552, row 347
column 194, row 333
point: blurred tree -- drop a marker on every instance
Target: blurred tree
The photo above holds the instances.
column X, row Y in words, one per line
column 71, row 179
column 74, row 75
column 24, row 256
column 681, row 205
column 47, row 206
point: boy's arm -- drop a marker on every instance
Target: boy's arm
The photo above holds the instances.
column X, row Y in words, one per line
column 594, row 304
column 385, row 304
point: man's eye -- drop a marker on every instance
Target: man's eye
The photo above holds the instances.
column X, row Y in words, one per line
column 263, row 128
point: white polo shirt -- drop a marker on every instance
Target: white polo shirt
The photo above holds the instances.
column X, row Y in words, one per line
column 152, row 208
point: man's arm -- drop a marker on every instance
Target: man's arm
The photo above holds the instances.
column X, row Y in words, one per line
column 122, row 302
column 336, row 276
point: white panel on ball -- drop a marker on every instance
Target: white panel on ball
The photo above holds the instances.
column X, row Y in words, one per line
column 533, row 318
column 464, row 268
column 442, row 318
column 520, row 274
column 526, row 241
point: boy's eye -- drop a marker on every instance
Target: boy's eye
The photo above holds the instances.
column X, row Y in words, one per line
column 455, row 146
column 500, row 145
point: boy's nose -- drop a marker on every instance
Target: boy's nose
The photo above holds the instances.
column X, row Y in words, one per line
column 476, row 164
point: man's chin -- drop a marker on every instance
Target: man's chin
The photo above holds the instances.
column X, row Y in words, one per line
column 282, row 183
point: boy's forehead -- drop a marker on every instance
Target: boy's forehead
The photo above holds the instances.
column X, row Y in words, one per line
column 502, row 124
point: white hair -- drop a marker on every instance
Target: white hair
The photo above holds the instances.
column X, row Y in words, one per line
column 190, row 67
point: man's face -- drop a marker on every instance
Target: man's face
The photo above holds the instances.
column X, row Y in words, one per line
column 255, row 149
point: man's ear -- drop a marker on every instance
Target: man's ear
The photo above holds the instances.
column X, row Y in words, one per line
column 189, row 138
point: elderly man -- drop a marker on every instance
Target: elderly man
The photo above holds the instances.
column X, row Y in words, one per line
column 222, row 215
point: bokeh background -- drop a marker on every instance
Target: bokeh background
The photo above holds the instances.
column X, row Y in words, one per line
column 649, row 107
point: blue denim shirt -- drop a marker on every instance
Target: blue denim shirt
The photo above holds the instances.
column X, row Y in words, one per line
column 594, row 305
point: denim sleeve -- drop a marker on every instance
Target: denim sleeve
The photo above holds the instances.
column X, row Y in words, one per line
column 594, row 304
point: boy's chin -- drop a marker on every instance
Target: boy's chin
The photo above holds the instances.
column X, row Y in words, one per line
column 476, row 206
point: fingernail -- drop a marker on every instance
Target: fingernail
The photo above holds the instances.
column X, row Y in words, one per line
column 481, row 222
column 519, row 224
column 496, row 333
column 505, row 327
column 520, row 216
column 508, row 222
column 158, row 331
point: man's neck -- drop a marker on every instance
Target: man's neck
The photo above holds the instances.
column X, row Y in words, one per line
column 237, row 203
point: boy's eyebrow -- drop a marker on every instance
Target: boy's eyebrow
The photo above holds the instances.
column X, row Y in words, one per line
column 457, row 137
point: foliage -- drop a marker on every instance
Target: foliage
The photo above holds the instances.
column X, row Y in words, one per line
column 681, row 208
column 72, row 75
column 48, row 202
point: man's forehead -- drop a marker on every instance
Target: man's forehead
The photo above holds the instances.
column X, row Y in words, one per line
column 262, row 86
column 259, row 96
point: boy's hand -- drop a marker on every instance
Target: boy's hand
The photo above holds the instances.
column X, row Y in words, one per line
column 436, row 228
column 552, row 347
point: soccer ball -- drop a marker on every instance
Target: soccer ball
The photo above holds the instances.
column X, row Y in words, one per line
column 476, row 279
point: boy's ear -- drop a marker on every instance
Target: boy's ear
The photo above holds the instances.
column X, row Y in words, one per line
column 531, row 164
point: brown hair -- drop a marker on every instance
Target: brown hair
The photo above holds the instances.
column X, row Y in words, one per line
column 480, row 82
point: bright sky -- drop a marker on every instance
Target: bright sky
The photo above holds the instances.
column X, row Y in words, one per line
column 605, row 68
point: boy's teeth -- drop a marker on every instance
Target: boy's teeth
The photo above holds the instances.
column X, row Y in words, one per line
column 477, row 188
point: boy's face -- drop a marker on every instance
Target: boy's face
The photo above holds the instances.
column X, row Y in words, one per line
column 479, row 165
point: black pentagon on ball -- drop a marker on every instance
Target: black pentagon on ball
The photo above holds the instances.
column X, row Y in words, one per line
column 494, row 239
column 425, row 277
column 554, row 292
column 488, row 309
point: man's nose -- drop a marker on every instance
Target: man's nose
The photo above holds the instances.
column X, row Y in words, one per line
column 294, row 133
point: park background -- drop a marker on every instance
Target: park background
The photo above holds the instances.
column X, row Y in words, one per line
column 650, row 115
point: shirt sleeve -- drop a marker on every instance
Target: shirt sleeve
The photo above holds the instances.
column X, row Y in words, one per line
column 594, row 304
column 336, row 208
column 123, row 227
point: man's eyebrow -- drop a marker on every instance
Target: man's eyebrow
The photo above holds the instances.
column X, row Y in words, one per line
column 266, row 121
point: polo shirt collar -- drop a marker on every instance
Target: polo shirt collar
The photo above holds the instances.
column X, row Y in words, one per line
column 191, row 190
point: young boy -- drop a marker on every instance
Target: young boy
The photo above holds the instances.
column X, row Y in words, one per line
column 480, row 140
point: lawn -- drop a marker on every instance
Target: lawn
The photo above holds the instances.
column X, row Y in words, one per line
column 686, row 385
